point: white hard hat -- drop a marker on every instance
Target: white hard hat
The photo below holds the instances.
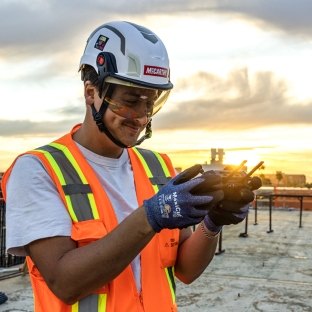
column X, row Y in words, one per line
column 130, row 53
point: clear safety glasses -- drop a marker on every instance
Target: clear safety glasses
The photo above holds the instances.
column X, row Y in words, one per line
column 136, row 102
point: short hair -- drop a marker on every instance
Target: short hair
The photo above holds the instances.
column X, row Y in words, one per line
column 88, row 73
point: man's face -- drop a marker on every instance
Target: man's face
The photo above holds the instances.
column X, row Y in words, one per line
column 129, row 111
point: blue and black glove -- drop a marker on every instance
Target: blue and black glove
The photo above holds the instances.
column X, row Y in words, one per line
column 234, row 207
column 177, row 205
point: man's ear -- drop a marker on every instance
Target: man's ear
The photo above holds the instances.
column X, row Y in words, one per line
column 89, row 92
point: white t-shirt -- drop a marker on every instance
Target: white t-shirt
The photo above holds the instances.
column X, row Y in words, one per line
column 34, row 209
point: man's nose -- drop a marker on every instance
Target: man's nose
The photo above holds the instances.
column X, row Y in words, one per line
column 142, row 120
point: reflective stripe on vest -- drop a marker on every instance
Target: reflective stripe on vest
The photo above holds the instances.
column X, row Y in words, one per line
column 78, row 195
column 81, row 203
column 158, row 173
column 91, row 303
column 154, row 166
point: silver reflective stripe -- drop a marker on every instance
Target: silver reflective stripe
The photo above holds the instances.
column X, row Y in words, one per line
column 158, row 176
column 74, row 188
column 89, row 304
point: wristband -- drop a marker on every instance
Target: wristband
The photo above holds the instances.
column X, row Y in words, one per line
column 205, row 231
column 209, row 224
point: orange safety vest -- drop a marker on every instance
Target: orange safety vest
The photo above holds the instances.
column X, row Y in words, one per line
column 93, row 217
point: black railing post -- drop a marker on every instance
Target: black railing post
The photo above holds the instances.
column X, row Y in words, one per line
column 256, row 210
column 245, row 234
column 301, row 208
column 270, row 215
column 220, row 250
column 2, row 234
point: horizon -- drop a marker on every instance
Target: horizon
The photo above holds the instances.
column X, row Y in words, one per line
column 241, row 74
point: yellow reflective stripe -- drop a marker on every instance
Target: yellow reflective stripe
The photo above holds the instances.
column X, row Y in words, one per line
column 163, row 164
column 61, row 179
column 93, row 206
column 146, row 168
column 173, row 296
column 102, row 302
column 74, row 163
column 71, row 158
column 75, row 307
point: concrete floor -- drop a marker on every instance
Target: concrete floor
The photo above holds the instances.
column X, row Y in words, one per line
column 261, row 272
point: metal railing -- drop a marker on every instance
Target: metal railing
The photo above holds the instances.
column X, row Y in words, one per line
column 6, row 260
column 270, row 199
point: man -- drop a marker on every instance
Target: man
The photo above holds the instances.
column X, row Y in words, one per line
column 102, row 223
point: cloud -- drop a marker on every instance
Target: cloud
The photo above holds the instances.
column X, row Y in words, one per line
column 27, row 128
column 45, row 26
column 235, row 103
column 56, row 31
column 48, row 26
column 238, row 102
column 287, row 15
column 71, row 111
column 67, row 116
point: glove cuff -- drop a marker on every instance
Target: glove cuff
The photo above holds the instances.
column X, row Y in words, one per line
column 151, row 218
column 211, row 226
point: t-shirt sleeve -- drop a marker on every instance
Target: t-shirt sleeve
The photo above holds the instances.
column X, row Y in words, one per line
column 34, row 209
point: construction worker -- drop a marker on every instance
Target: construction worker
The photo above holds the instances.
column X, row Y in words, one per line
column 106, row 226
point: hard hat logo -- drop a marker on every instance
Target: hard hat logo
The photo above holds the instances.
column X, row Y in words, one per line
column 101, row 42
column 155, row 71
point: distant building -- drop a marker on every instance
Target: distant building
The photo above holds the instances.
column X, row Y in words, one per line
column 287, row 180
column 287, row 202
column 279, row 178
column 216, row 162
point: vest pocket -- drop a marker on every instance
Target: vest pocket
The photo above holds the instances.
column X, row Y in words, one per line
column 168, row 241
column 85, row 232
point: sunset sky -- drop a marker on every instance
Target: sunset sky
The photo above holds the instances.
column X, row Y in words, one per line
column 241, row 70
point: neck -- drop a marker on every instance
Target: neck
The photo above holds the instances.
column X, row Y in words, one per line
column 91, row 138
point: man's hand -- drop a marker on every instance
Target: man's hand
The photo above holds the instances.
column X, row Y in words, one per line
column 234, row 207
column 176, row 205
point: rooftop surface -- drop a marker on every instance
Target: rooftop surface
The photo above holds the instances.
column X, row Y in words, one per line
column 259, row 271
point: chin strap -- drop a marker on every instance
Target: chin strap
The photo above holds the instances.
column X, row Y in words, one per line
column 147, row 135
column 98, row 118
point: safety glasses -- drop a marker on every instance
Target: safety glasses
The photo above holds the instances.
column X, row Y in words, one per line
column 134, row 105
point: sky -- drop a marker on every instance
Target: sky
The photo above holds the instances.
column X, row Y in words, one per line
column 241, row 72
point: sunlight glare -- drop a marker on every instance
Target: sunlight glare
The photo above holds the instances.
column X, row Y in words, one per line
column 236, row 157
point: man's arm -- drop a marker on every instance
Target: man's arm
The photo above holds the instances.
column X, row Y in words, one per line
column 195, row 252
column 72, row 273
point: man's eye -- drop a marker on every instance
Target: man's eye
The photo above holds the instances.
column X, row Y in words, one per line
column 130, row 103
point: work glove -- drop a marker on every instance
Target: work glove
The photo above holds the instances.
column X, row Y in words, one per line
column 176, row 206
column 234, row 207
